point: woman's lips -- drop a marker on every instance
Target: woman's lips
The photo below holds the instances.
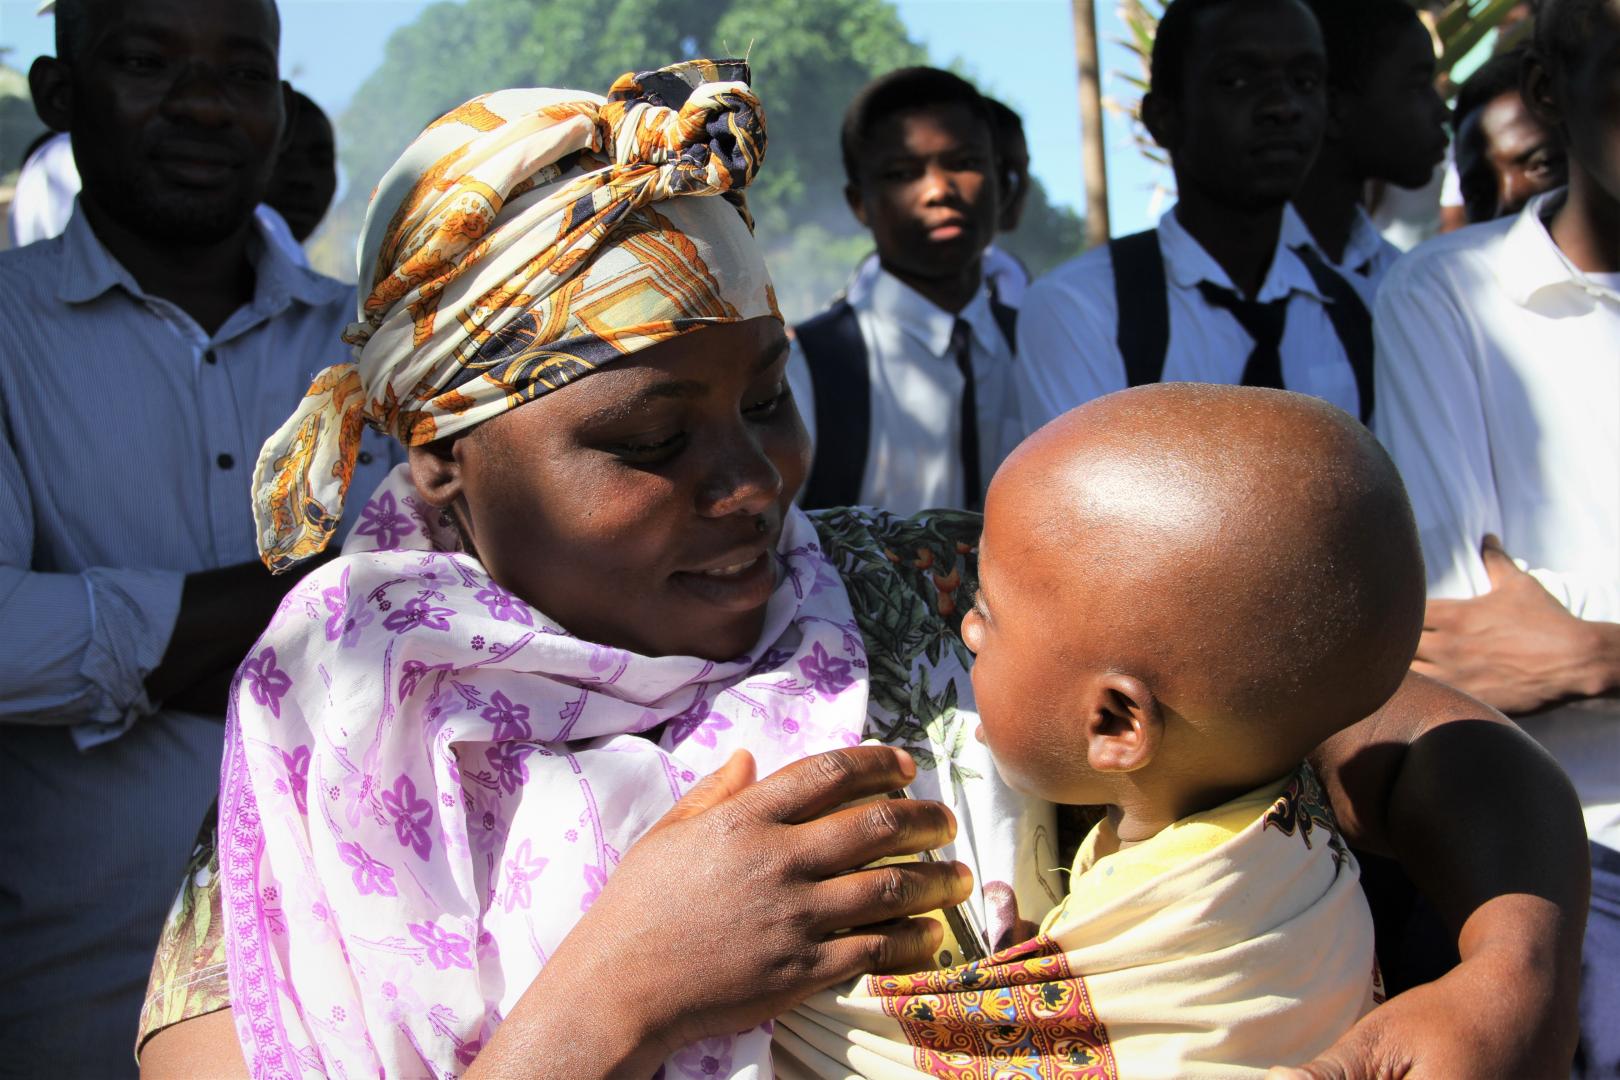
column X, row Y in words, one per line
column 740, row 586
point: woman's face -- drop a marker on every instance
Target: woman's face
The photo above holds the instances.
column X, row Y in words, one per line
column 638, row 507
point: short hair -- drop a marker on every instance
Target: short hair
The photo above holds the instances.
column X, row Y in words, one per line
column 1357, row 34
column 73, row 26
column 1167, row 66
column 1564, row 29
column 899, row 91
column 1497, row 76
column 76, row 21
column 1008, row 125
column 1173, row 41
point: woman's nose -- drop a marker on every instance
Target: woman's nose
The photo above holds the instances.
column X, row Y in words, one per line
column 741, row 480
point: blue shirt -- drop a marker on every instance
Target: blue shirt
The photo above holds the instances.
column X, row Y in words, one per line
column 129, row 440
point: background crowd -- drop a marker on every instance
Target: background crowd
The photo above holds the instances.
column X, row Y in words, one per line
column 160, row 319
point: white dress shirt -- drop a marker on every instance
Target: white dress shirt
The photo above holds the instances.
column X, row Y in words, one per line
column 1499, row 398
column 1367, row 255
column 1006, row 276
column 913, row 458
column 1067, row 329
column 129, row 440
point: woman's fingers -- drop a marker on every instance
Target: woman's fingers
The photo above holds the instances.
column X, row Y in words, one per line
column 809, row 788
column 882, row 829
column 880, row 894
column 729, row 779
column 901, row 945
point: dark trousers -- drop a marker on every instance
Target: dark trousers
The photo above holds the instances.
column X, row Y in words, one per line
column 1599, row 1052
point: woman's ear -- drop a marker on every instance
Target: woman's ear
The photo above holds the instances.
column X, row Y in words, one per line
column 436, row 471
column 1124, row 724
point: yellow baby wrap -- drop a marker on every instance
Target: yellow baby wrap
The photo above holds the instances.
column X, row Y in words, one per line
column 1232, row 941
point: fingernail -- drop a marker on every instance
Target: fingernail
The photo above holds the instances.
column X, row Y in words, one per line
column 908, row 767
column 965, row 876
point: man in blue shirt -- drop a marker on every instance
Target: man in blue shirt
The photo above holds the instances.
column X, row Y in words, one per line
column 145, row 355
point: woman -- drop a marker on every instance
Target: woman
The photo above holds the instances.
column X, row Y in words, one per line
column 587, row 592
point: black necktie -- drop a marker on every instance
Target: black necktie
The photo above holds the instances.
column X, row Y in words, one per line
column 961, row 348
column 1262, row 322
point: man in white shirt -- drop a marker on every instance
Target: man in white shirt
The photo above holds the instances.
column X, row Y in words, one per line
column 1499, row 382
column 1239, row 101
column 1386, row 123
column 145, row 355
column 905, row 384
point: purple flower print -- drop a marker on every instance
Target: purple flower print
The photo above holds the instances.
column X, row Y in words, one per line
column 297, row 764
column 266, row 682
column 411, row 816
column 444, row 949
column 687, row 720
column 340, row 621
column 410, row 677
column 703, row 731
column 827, row 674
column 709, row 1057
column 380, row 519
column 771, row 661
column 595, row 878
column 503, row 605
column 507, row 760
column 370, row 876
column 418, row 612
column 521, row 869
column 511, row 720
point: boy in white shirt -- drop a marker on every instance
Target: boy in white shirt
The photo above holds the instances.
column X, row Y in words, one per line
column 905, row 385
column 1239, row 100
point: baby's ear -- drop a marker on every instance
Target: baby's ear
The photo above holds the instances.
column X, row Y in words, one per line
column 1124, row 724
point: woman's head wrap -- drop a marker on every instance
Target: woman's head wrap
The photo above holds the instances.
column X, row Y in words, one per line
column 514, row 247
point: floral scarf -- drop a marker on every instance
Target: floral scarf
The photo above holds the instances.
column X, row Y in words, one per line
column 427, row 782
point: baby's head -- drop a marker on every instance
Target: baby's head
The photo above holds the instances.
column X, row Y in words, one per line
column 1183, row 590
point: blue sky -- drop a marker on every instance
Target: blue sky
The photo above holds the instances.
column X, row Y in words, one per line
column 1019, row 50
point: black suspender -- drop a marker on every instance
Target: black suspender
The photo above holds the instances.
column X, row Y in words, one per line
column 1143, row 300
column 1142, row 297
column 841, row 385
column 1351, row 323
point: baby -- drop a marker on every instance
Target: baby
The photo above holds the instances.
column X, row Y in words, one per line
column 1184, row 589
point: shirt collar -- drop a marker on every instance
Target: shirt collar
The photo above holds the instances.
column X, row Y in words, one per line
column 1187, row 263
column 1530, row 261
column 1366, row 243
column 1361, row 250
column 89, row 270
column 925, row 321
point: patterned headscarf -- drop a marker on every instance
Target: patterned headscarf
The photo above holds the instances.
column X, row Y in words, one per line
column 514, row 247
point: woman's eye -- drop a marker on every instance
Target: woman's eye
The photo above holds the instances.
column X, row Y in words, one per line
column 642, row 452
column 762, row 410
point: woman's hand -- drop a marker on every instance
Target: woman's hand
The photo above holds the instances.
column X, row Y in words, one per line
column 743, row 901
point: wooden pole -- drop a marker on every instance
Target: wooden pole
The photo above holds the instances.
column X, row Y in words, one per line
column 1093, row 162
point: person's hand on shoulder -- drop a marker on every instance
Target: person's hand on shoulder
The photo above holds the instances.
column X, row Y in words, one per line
column 1515, row 648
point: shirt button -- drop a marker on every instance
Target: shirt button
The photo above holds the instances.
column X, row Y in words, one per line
column 365, row 457
column 210, row 358
column 225, row 461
